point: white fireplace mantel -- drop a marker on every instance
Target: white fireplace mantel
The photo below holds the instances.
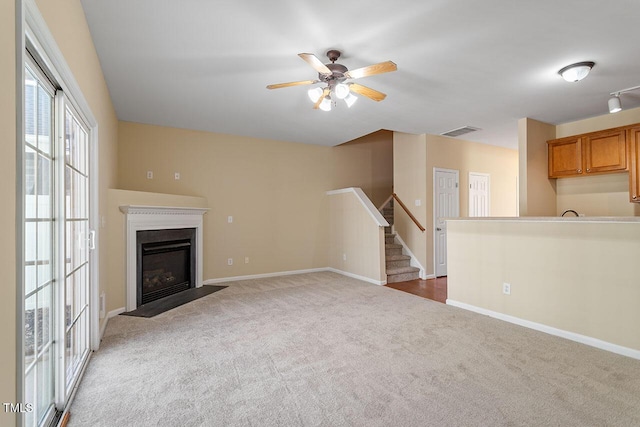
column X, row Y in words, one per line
column 141, row 218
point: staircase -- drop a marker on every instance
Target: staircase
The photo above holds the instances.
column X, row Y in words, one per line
column 398, row 265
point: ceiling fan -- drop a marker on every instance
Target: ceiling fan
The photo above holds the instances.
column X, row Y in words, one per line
column 335, row 76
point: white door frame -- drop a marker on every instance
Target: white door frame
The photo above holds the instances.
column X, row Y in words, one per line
column 488, row 176
column 435, row 205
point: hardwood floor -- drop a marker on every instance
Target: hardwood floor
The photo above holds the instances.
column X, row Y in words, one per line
column 434, row 289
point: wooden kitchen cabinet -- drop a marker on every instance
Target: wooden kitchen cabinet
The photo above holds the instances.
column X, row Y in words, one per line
column 593, row 153
column 633, row 137
column 565, row 157
column 605, row 151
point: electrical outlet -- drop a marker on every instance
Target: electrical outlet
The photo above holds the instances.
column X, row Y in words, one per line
column 246, row 260
column 229, row 219
column 506, row 288
column 149, row 174
column 418, row 202
column 344, row 257
column 230, row 261
column 177, row 176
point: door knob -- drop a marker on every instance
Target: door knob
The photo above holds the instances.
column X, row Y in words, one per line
column 438, row 229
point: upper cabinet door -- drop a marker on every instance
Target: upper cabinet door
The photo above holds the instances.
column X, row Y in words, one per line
column 565, row 157
column 605, row 151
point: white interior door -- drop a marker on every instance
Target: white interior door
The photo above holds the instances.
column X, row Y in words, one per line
column 446, row 205
column 479, row 200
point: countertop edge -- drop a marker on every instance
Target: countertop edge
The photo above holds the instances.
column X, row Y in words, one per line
column 582, row 219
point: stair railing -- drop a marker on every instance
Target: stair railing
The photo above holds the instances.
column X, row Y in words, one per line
column 404, row 207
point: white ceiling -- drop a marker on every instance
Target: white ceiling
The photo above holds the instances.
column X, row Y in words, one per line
column 204, row 65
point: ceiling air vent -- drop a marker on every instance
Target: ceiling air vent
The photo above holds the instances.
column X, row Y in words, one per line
column 460, row 131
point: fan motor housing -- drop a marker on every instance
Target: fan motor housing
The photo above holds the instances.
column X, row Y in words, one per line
column 337, row 72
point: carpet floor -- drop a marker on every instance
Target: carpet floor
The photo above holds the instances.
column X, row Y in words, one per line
column 322, row 349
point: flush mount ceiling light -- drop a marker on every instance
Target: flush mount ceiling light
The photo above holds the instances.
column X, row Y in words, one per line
column 614, row 102
column 576, row 72
column 335, row 76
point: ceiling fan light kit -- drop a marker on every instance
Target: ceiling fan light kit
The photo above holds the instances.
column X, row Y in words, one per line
column 335, row 76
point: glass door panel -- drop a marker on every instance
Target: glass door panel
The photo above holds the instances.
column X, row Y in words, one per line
column 77, row 246
column 39, row 237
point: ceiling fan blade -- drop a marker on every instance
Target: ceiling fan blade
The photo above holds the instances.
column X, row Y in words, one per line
column 300, row 83
column 371, row 70
column 367, row 91
column 325, row 92
column 315, row 63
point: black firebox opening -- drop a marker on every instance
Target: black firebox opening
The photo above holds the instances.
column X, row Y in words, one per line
column 165, row 263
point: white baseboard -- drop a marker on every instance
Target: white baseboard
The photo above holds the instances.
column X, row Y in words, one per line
column 356, row 276
column 262, row 276
column 583, row 339
column 111, row 314
column 289, row 273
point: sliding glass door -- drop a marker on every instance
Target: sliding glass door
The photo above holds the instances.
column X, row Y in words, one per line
column 39, row 239
column 57, row 241
column 78, row 240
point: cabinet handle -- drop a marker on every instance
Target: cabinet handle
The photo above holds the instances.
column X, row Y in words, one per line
column 635, row 197
column 579, row 170
column 588, row 170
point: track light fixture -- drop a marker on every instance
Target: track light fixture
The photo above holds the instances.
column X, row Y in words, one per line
column 576, row 72
column 614, row 102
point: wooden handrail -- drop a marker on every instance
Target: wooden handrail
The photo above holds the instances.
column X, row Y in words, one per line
column 413, row 218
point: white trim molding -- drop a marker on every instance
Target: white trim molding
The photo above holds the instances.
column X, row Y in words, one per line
column 290, row 273
column 141, row 218
column 583, row 339
column 369, row 207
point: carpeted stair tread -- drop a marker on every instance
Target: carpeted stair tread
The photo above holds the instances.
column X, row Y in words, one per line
column 402, row 270
column 393, row 246
column 398, row 257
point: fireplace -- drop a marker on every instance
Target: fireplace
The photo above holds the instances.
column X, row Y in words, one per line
column 166, row 263
column 169, row 220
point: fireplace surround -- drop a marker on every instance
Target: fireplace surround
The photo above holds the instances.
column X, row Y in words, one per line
column 145, row 218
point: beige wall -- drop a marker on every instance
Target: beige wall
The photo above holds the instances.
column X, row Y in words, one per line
column 274, row 190
column 366, row 163
column 410, row 184
column 537, row 191
column 606, row 121
column 596, row 195
column 573, row 276
column 7, row 214
column 115, row 289
column 356, row 242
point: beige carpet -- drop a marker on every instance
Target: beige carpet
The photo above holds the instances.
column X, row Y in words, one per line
column 325, row 350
